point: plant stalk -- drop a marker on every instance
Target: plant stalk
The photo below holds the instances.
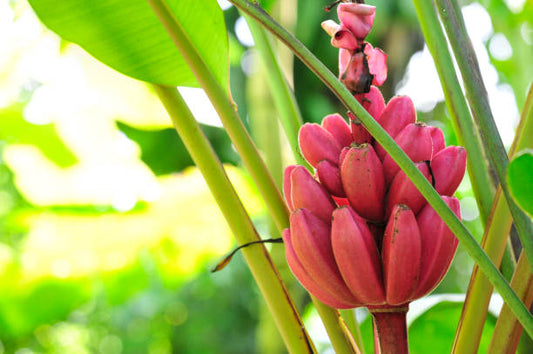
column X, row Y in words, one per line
column 470, row 328
column 483, row 186
column 353, row 326
column 276, row 295
column 477, row 97
column 228, row 115
column 342, row 341
column 507, row 331
column 390, row 330
column 284, row 99
column 399, row 157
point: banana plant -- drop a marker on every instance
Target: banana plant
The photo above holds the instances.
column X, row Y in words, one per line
column 368, row 217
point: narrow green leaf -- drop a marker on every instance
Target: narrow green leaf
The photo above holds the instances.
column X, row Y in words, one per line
column 520, row 178
column 127, row 36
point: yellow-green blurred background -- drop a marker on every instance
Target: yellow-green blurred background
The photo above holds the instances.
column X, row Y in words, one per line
column 107, row 231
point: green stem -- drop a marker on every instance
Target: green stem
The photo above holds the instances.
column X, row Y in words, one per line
column 470, row 328
column 283, row 96
column 399, row 157
column 507, row 331
column 496, row 234
column 353, row 326
column 508, row 263
column 233, row 125
column 477, row 97
column 265, row 133
column 276, row 296
column 483, row 185
column 341, row 341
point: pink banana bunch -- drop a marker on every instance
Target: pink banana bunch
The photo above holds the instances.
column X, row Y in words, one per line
column 360, row 232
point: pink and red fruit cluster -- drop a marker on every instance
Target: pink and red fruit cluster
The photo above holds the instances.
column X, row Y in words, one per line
column 360, row 232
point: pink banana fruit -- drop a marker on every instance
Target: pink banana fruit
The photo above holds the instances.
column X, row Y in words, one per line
column 287, row 186
column 309, row 283
column 338, row 128
column 403, row 191
column 372, row 101
column 318, row 144
column 330, row 177
column 343, row 154
column 437, row 137
column 359, row 133
column 399, row 112
column 401, row 255
column 357, row 256
column 416, row 141
column 307, row 193
column 311, row 241
column 363, row 181
column 438, row 246
column 448, row 167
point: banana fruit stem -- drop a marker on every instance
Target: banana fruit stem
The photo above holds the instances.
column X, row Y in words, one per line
column 390, row 330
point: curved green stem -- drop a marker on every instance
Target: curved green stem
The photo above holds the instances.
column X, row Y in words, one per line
column 257, row 257
column 477, row 97
column 284, row 98
column 425, row 188
column 234, row 127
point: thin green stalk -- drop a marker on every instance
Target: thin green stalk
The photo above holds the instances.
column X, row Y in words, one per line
column 398, row 155
column 477, row 97
column 507, row 330
column 276, row 296
column 524, row 131
column 497, row 229
column 353, row 326
column 264, row 129
column 508, row 263
column 506, row 325
column 265, row 133
column 341, row 341
column 222, row 103
column 470, row 328
column 473, row 315
column 483, row 185
column 284, row 99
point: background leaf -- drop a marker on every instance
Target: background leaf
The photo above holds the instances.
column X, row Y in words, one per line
column 520, row 177
column 15, row 130
column 127, row 36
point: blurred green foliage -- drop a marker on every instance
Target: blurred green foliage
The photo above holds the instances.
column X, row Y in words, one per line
column 161, row 298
